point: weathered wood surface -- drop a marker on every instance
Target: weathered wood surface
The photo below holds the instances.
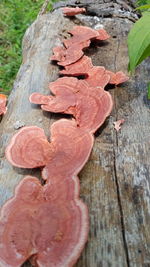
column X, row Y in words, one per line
column 115, row 181
column 104, row 8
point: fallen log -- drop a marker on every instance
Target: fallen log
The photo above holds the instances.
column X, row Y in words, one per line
column 114, row 183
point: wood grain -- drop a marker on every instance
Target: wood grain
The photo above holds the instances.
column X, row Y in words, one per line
column 104, row 8
column 115, row 180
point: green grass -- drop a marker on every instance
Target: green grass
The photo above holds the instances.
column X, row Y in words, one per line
column 16, row 16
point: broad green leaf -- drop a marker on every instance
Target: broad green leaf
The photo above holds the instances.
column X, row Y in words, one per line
column 144, row 55
column 143, row 7
column 148, row 90
column 139, row 41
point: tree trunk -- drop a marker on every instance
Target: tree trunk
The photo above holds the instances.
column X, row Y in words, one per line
column 115, row 180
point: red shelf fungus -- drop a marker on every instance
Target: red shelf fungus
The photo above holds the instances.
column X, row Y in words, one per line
column 81, row 67
column 117, row 78
column 89, row 106
column 67, row 56
column 80, row 40
column 97, row 77
column 3, row 100
column 69, row 148
column 59, row 53
column 68, row 11
column 83, row 33
column 103, row 35
column 52, row 220
column 29, row 148
column 49, row 224
column 100, row 77
column 46, row 224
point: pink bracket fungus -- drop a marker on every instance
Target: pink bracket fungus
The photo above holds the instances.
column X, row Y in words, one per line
column 68, row 56
column 3, row 100
column 83, row 33
column 52, row 220
column 72, row 11
column 81, row 39
column 99, row 77
column 95, row 76
column 69, row 148
column 103, row 35
column 89, row 105
column 46, row 224
column 80, row 35
column 81, row 67
column 117, row 78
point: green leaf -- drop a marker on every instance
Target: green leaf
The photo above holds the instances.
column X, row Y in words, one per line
column 148, row 88
column 143, row 7
column 139, row 41
column 144, row 55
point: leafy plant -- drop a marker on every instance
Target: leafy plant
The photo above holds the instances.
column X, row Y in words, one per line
column 16, row 16
column 142, row 8
column 139, row 41
column 142, row 2
column 139, row 38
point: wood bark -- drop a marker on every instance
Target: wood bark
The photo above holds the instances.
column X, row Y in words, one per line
column 115, row 180
column 104, row 8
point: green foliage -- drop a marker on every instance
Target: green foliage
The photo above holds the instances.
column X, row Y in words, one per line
column 139, row 41
column 139, row 38
column 143, row 8
column 16, row 16
column 142, row 2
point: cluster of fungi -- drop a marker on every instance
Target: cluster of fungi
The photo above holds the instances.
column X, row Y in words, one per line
column 3, row 107
column 48, row 223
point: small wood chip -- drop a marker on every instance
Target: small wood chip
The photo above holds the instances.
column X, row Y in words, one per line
column 117, row 124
